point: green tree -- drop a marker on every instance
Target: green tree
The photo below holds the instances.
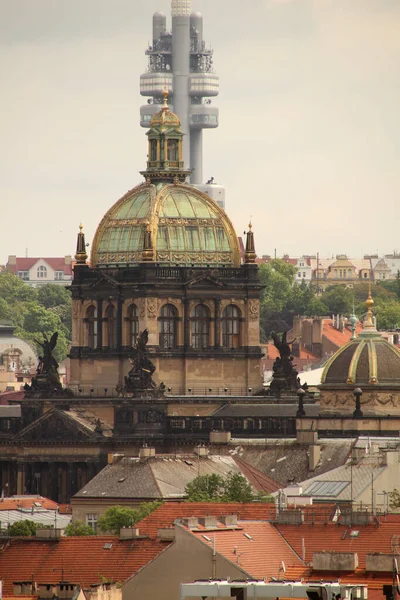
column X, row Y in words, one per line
column 237, row 489
column 388, row 315
column 277, row 278
column 78, row 528
column 117, row 517
column 338, row 299
column 316, row 308
column 205, row 488
column 215, row 488
column 23, row 528
column 13, row 289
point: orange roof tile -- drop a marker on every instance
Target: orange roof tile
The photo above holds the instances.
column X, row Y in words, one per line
column 167, row 513
column 331, row 537
column 16, row 502
column 340, row 338
column 82, row 561
column 258, row 548
column 258, row 480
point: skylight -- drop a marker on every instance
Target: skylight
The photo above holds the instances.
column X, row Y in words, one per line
column 325, row 488
column 206, row 538
column 355, row 533
column 107, row 546
column 248, row 536
column 121, row 479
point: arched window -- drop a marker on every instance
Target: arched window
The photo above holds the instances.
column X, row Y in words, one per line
column 91, row 320
column 42, row 272
column 200, row 326
column 111, row 326
column 133, row 320
column 153, row 150
column 167, row 326
column 172, row 150
column 231, row 327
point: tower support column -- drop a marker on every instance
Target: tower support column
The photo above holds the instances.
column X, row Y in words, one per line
column 196, row 155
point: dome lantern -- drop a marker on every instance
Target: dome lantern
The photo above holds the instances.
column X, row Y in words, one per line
column 164, row 160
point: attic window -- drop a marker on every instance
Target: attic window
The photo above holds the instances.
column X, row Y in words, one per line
column 355, row 533
column 103, row 493
column 84, row 492
column 121, row 479
column 325, row 488
column 37, row 504
column 107, row 546
column 188, row 462
column 206, row 538
column 248, row 536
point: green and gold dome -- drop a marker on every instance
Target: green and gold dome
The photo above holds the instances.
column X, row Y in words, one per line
column 368, row 360
column 164, row 220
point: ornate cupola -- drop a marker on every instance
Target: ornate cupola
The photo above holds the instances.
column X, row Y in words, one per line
column 81, row 254
column 165, row 147
column 250, row 252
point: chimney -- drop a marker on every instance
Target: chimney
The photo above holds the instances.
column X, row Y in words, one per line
column 313, row 456
column 390, row 458
column 113, row 458
column 68, row 260
column 128, row 533
column 229, row 520
column 201, row 451
column 166, row 534
column 146, row 452
column 12, row 260
column 49, row 534
column 209, row 522
column 190, row 522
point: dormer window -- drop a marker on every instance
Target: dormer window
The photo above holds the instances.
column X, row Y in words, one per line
column 41, row 272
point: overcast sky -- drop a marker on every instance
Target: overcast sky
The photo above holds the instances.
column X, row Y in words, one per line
column 308, row 143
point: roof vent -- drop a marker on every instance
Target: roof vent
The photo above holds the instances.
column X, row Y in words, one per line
column 128, row 533
column 107, row 546
column 209, row 522
column 229, row 520
column 190, row 522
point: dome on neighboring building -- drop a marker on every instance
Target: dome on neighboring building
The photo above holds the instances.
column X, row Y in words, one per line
column 185, row 227
column 367, row 360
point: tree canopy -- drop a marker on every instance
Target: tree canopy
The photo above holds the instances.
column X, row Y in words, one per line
column 23, row 528
column 216, row 488
column 35, row 312
column 78, row 528
column 117, row 517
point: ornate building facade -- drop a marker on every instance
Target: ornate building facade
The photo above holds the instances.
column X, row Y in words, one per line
column 166, row 258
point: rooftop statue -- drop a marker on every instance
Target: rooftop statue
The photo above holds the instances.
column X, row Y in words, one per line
column 46, row 383
column 285, row 377
column 139, row 378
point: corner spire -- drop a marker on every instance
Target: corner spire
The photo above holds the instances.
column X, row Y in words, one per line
column 81, row 254
column 250, row 253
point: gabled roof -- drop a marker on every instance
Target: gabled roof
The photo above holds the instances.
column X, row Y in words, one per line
column 84, row 561
column 257, row 547
column 258, row 480
column 339, row 338
column 166, row 514
column 27, row 501
column 56, row 263
column 336, row 538
column 159, row 477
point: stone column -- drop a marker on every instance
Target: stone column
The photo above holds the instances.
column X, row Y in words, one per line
column 53, row 481
column 217, row 328
column 186, row 324
column 20, row 478
column 119, row 322
column 99, row 324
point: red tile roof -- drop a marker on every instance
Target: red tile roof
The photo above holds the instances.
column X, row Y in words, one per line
column 338, row 337
column 79, row 560
column 258, row 480
column 16, row 502
column 331, row 537
column 56, row 263
column 6, row 396
column 258, row 548
column 167, row 513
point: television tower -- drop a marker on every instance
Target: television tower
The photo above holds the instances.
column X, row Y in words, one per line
column 180, row 62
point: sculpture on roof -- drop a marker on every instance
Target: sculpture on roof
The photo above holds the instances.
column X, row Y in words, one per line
column 46, row 383
column 285, row 377
column 139, row 378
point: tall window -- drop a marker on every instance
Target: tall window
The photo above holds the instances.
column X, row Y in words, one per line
column 111, row 326
column 200, row 325
column 172, row 150
column 91, row 520
column 153, row 150
column 167, row 326
column 58, row 275
column 133, row 321
column 41, row 272
column 231, row 327
column 91, row 317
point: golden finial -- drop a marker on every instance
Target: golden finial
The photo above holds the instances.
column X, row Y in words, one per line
column 369, row 304
column 250, row 225
column 80, row 227
column 165, row 97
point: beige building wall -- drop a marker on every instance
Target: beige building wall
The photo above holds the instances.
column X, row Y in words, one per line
column 186, row 560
